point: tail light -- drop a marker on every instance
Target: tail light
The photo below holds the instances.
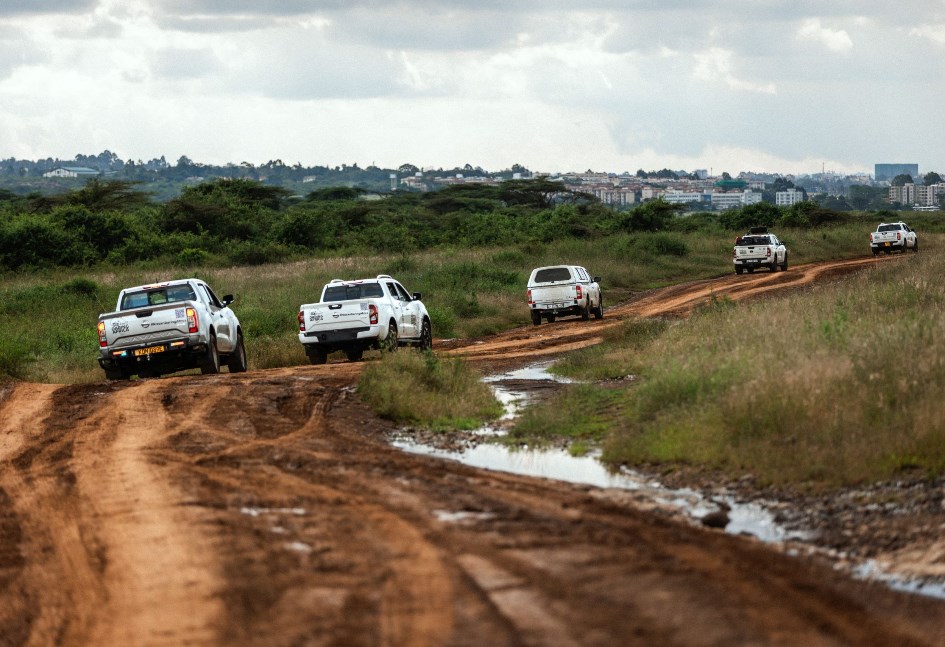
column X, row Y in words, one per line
column 767, row 252
column 529, row 296
column 734, row 253
column 102, row 339
column 192, row 324
column 372, row 313
column 871, row 238
column 578, row 292
column 301, row 319
column 898, row 235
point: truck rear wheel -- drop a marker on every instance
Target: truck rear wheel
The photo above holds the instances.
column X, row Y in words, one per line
column 354, row 354
column 211, row 363
column 586, row 311
column 739, row 269
column 536, row 317
column 551, row 318
column 116, row 373
column 599, row 310
column 317, row 355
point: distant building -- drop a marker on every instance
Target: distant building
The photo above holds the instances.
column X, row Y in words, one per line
column 886, row 172
column 615, row 196
column 71, row 171
column 788, row 198
column 733, row 199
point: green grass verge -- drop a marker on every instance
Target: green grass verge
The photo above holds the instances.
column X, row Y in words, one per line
column 581, row 414
column 425, row 390
column 835, row 385
column 468, row 292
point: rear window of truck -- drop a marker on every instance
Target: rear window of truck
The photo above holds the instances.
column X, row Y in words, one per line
column 890, row 227
column 349, row 292
column 755, row 240
column 552, row 274
column 171, row 294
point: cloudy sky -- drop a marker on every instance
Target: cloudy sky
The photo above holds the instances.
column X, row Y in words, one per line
column 608, row 85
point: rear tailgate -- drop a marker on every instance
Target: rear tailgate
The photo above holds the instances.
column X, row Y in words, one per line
column 339, row 315
column 144, row 327
column 752, row 252
column 559, row 295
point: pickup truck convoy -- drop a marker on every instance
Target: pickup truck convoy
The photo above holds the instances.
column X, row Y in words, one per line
column 758, row 248
column 353, row 316
column 560, row 290
column 891, row 236
column 167, row 327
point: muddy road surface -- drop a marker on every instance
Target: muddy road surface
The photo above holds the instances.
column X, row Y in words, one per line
column 266, row 508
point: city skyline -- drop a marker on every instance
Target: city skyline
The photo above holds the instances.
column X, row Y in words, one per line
column 779, row 87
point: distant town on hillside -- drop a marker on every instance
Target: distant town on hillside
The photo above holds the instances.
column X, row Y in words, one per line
column 891, row 186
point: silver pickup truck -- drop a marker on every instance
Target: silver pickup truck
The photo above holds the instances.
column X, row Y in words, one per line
column 167, row 327
column 893, row 236
column 354, row 316
column 560, row 290
column 759, row 248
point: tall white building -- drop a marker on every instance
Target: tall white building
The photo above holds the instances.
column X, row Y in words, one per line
column 788, row 198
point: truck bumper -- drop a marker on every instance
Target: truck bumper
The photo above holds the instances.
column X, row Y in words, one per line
column 881, row 247
column 558, row 308
column 328, row 337
column 165, row 357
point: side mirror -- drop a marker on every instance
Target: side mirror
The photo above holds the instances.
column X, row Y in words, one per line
column 596, row 279
column 416, row 296
column 228, row 299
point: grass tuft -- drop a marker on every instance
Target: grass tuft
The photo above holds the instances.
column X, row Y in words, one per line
column 426, row 390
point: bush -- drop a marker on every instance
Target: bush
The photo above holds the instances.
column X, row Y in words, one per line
column 191, row 257
column 16, row 358
column 423, row 389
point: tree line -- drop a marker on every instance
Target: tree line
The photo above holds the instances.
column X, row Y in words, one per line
column 241, row 221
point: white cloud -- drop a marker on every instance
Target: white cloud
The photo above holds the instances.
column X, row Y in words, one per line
column 935, row 33
column 715, row 64
column 836, row 40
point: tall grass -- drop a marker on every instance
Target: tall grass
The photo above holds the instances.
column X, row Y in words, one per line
column 837, row 385
column 422, row 389
column 468, row 292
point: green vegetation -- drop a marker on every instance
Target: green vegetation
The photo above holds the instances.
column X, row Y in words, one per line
column 583, row 415
column 826, row 387
column 426, row 390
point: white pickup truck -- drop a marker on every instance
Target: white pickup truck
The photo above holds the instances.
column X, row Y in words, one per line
column 891, row 236
column 354, row 316
column 167, row 327
column 560, row 290
column 758, row 248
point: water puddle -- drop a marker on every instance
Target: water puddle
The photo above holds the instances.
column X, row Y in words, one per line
column 516, row 388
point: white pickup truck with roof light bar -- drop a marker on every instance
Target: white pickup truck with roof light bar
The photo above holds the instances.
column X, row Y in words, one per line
column 167, row 327
column 354, row 316
column 759, row 248
column 561, row 290
column 893, row 236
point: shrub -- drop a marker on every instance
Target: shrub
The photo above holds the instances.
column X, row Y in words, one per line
column 423, row 389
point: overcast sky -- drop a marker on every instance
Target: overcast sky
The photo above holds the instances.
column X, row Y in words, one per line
column 608, row 85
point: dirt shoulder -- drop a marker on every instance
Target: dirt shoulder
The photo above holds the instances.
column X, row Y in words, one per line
column 267, row 508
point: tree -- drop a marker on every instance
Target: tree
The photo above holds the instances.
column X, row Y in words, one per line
column 902, row 179
column 932, row 178
column 408, row 168
column 726, row 175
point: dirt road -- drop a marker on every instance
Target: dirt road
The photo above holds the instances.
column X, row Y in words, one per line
column 266, row 508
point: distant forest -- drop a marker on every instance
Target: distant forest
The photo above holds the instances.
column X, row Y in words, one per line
column 165, row 180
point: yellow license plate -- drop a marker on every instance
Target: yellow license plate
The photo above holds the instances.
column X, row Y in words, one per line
column 150, row 350
column 886, row 244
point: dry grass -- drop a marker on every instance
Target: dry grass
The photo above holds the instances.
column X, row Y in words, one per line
column 837, row 385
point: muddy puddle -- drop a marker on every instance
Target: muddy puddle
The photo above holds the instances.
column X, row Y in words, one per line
column 517, row 389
